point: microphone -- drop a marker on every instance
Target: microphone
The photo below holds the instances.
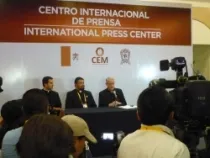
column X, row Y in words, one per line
column 164, row 65
column 115, row 94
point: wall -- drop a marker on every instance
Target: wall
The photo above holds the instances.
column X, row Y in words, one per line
column 201, row 26
column 201, row 56
column 201, row 40
column 200, row 16
column 200, row 32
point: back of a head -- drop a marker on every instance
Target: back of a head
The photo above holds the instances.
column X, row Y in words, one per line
column 12, row 115
column 45, row 136
column 154, row 106
column 11, row 112
column 34, row 102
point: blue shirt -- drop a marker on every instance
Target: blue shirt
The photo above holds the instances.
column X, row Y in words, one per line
column 9, row 142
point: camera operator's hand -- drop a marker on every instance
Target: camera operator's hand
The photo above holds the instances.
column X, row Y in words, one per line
column 62, row 113
column 58, row 111
column 55, row 108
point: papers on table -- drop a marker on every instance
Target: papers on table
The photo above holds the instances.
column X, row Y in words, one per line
column 128, row 107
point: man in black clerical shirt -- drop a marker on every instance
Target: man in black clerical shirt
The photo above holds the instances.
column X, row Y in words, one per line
column 111, row 96
column 79, row 97
column 53, row 97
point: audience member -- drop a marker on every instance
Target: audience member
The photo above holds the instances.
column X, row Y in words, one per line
column 45, row 136
column 34, row 102
column 154, row 139
column 12, row 115
column 81, row 133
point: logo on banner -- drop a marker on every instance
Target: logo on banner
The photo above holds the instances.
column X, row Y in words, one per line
column 99, row 58
column 125, row 56
column 75, row 56
column 67, row 57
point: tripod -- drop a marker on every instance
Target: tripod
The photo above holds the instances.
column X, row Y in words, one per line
column 191, row 139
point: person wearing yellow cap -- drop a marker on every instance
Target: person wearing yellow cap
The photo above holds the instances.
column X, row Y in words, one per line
column 81, row 134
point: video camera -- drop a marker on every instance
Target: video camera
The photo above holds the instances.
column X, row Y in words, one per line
column 191, row 94
column 192, row 102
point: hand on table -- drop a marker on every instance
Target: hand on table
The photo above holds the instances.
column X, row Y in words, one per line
column 114, row 104
column 118, row 103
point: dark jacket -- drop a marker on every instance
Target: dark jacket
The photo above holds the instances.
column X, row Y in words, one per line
column 106, row 97
column 53, row 98
column 73, row 100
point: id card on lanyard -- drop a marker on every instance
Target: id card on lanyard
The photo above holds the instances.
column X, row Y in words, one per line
column 85, row 103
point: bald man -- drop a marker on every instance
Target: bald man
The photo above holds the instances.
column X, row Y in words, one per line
column 111, row 96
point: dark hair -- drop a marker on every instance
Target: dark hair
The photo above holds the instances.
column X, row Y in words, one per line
column 34, row 102
column 77, row 79
column 154, row 106
column 45, row 136
column 1, row 83
column 81, row 137
column 12, row 115
column 46, row 79
column 11, row 111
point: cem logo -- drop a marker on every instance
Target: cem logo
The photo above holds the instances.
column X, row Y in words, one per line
column 99, row 58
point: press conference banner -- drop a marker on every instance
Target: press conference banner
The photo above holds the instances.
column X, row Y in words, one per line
column 92, row 40
column 81, row 22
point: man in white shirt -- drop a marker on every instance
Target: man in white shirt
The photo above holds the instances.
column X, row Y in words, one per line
column 153, row 139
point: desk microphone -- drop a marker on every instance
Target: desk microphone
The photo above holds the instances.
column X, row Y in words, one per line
column 115, row 94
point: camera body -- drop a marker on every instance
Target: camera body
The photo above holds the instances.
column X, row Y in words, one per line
column 192, row 104
column 191, row 95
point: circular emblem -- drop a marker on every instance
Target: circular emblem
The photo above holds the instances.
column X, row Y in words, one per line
column 125, row 56
column 99, row 51
column 125, row 51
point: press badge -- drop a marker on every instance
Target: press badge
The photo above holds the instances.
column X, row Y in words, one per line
column 85, row 106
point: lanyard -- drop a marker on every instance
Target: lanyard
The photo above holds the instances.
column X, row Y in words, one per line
column 81, row 98
column 151, row 128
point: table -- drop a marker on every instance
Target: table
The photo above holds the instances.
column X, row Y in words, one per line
column 110, row 120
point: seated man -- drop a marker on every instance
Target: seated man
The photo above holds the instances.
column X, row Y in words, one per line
column 81, row 134
column 111, row 96
column 53, row 96
column 153, row 139
column 79, row 97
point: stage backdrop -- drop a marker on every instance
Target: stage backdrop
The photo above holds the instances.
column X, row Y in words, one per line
column 66, row 39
